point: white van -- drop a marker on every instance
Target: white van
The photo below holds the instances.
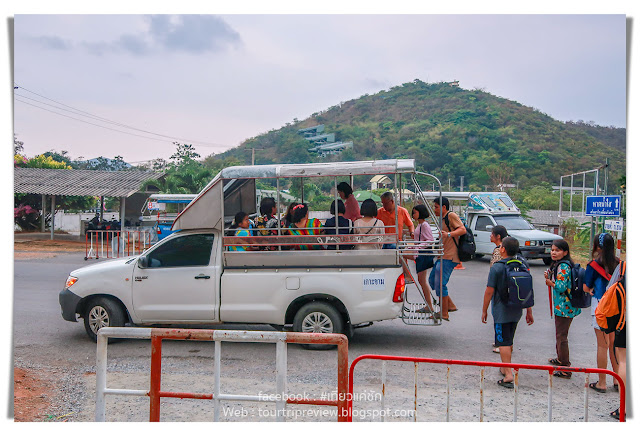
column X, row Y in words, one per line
column 191, row 277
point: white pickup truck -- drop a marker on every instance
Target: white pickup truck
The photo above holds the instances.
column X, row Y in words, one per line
column 481, row 211
column 191, row 278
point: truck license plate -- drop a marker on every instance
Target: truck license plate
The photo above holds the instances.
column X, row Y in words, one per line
column 547, row 250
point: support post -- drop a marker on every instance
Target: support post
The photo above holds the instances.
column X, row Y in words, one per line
column 53, row 215
column 101, row 208
column 122, row 215
column 44, row 211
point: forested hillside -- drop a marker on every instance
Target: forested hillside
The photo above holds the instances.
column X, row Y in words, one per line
column 451, row 132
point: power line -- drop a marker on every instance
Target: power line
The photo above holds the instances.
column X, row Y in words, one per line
column 106, row 120
column 87, row 122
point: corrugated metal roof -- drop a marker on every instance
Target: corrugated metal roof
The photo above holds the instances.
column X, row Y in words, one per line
column 80, row 182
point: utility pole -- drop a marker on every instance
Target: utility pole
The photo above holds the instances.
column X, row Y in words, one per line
column 461, row 183
column 253, row 154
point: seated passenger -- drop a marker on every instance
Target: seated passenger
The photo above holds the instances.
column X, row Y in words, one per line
column 302, row 225
column 369, row 228
column 241, row 223
column 285, row 223
column 344, row 225
column 266, row 223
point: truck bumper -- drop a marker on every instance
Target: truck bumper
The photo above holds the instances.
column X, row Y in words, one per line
column 68, row 303
column 534, row 253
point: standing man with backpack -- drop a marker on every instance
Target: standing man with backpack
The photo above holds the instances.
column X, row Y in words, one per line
column 452, row 229
column 509, row 289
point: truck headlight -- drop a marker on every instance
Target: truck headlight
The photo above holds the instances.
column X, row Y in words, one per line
column 70, row 281
column 527, row 243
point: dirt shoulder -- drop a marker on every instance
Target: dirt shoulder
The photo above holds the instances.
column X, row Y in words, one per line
column 33, row 396
column 38, row 248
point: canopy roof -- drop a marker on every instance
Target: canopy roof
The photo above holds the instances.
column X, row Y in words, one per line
column 205, row 211
column 80, row 182
column 325, row 169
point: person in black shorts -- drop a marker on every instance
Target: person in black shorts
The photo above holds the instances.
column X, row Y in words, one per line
column 505, row 319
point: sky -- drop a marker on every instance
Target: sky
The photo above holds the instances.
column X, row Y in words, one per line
column 131, row 85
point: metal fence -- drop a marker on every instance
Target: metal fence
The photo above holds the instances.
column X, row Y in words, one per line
column 516, row 367
column 281, row 339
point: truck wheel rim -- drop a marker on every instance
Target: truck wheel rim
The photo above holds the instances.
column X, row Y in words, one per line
column 317, row 322
column 98, row 318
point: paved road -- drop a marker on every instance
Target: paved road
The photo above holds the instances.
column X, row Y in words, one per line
column 43, row 339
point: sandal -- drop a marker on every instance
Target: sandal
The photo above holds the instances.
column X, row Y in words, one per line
column 496, row 350
column 562, row 374
column 505, row 384
column 596, row 388
column 616, row 387
column 615, row 414
column 555, row 362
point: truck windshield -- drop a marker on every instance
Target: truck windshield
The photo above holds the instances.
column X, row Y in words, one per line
column 513, row 222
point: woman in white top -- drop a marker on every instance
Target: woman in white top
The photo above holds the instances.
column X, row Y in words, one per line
column 422, row 233
column 368, row 228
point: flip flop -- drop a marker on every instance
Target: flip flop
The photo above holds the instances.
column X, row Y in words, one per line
column 496, row 350
column 615, row 414
column 555, row 362
column 597, row 389
column 616, row 388
column 562, row 374
column 504, row 384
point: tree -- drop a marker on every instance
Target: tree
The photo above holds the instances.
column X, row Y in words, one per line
column 499, row 175
column 18, row 146
column 184, row 153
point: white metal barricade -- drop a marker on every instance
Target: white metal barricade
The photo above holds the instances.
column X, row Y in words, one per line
column 279, row 338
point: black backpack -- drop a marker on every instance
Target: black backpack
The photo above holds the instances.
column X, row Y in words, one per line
column 466, row 245
column 577, row 297
column 518, row 290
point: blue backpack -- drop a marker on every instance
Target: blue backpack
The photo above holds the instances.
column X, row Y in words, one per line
column 518, row 292
column 577, row 297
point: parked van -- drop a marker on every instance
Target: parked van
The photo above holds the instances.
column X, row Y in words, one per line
column 481, row 211
column 191, row 276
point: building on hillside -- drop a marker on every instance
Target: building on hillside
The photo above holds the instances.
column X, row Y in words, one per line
column 332, row 148
column 380, row 181
column 311, row 131
column 324, row 144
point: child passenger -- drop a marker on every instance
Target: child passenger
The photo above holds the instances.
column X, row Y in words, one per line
column 241, row 223
column 369, row 228
column 422, row 233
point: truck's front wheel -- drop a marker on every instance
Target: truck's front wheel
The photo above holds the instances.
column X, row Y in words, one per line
column 102, row 312
column 318, row 317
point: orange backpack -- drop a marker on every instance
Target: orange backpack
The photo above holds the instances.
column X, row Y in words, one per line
column 611, row 309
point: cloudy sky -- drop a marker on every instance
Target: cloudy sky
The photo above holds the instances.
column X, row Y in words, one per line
column 130, row 85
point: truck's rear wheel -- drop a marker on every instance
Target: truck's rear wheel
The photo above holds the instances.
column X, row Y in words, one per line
column 318, row 317
column 102, row 312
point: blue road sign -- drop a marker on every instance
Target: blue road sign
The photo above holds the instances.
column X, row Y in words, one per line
column 603, row 205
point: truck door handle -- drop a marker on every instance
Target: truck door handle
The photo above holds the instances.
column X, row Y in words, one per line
column 201, row 276
column 475, row 234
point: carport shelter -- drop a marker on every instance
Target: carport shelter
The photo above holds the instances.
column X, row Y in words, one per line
column 121, row 184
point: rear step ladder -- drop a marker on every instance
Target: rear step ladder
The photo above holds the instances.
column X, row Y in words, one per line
column 410, row 314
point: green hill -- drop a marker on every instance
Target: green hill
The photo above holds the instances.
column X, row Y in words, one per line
column 451, row 132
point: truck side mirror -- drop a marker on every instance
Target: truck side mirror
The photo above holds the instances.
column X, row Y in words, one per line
column 143, row 261
column 489, row 227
